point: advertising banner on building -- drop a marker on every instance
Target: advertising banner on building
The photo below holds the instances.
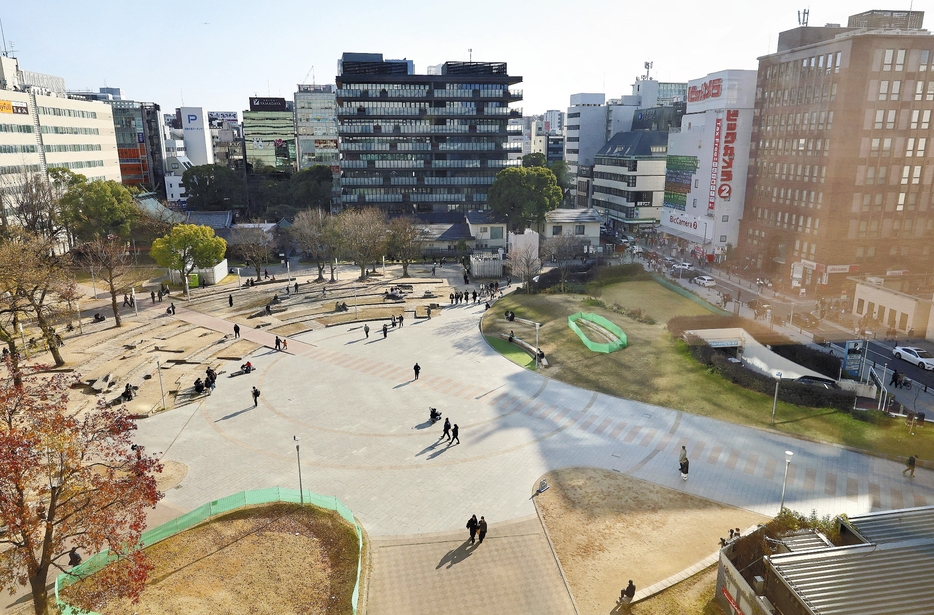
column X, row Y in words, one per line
column 267, row 104
column 217, row 119
column 679, row 171
column 7, row 106
column 715, row 165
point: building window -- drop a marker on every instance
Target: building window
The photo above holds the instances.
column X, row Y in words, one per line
column 883, row 90
column 496, row 232
column 578, row 229
column 556, row 230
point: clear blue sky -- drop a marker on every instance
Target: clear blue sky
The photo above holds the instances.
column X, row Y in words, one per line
column 217, row 54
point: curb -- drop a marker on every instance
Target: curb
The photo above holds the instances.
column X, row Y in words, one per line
column 553, row 553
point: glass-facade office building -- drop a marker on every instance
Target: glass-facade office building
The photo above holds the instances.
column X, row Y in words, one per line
column 316, row 126
column 422, row 143
column 138, row 128
column 270, row 139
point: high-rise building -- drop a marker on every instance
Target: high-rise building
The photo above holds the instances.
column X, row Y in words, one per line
column 422, row 143
column 269, row 132
column 629, row 180
column 553, row 121
column 316, row 126
column 840, row 182
column 197, row 131
column 42, row 128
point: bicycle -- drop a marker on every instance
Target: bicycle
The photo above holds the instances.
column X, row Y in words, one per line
column 903, row 383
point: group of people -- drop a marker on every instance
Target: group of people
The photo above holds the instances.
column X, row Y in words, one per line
column 450, row 432
column 210, row 378
column 898, row 380
column 462, row 297
column 734, row 535
column 477, row 529
column 282, row 344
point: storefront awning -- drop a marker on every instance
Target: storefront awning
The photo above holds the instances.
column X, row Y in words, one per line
column 684, row 234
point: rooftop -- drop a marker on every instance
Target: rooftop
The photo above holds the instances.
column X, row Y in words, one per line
column 636, row 144
column 573, row 216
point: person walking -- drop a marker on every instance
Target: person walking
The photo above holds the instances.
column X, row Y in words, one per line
column 172, row 307
column 152, row 296
column 454, row 437
column 910, row 466
column 385, row 330
column 160, row 294
column 472, row 525
column 285, row 345
column 896, row 378
column 366, row 331
column 401, row 317
column 278, row 343
column 255, row 397
column 684, row 467
column 432, row 271
column 417, row 369
column 296, row 286
column 126, row 300
column 236, row 331
column 230, row 300
column 447, row 429
column 451, row 296
column 481, row 525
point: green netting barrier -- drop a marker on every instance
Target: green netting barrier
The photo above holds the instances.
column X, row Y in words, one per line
column 620, row 342
column 203, row 513
column 689, row 295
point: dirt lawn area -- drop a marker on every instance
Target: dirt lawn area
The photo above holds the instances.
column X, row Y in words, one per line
column 276, row 559
column 608, row 528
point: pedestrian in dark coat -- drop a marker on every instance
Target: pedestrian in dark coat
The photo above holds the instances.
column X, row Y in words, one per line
column 401, row 317
column 172, row 307
column 685, row 466
column 236, row 331
column 230, row 300
column 278, row 343
column 417, row 369
column 481, row 527
column 366, row 331
column 447, row 429
column 454, row 437
column 152, row 295
column 255, row 397
column 472, row 524
column 451, row 296
column 385, row 330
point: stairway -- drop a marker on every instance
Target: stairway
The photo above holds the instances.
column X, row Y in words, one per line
column 34, row 112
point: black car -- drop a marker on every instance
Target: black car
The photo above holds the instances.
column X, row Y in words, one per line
column 805, row 320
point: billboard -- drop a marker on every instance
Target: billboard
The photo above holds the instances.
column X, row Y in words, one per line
column 679, row 170
column 19, row 108
column 216, row 119
column 258, row 103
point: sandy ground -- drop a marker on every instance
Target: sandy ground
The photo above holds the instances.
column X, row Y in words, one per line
column 246, row 562
column 608, row 528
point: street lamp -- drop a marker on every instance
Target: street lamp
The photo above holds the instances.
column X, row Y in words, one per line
column 788, row 456
column 778, row 379
column 298, row 454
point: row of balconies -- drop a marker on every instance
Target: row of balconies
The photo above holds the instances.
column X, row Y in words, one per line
column 435, row 164
column 425, row 93
column 417, row 181
column 362, row 111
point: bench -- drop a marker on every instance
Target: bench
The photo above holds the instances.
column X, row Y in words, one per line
column 525, row 346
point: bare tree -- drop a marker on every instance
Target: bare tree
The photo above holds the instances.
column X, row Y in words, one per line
column 253, row 244
column 405, row 240
column 113, row 262
column 364, row 235
column 308, row 230
column 562, row 249
column 526, row 264
column 31, row 203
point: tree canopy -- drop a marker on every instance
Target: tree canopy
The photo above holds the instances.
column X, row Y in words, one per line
column 188, row 246
column 212, row 187
column 311, row 188
column 98, row 208
column 405, row 240
column 524, row 195
column 535, row 159
column 363, row 233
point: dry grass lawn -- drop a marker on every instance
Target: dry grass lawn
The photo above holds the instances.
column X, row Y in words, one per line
column 277, row 559
column 608, row 528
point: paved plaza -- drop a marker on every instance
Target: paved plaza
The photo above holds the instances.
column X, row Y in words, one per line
column 364, row 435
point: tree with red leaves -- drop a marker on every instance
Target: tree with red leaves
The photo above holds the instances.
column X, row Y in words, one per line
column 69, row 480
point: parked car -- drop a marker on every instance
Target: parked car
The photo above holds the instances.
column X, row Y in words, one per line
column 669, row 261
column 704, row 280
column 804, row 319
column 919, row 356
column 636, row 249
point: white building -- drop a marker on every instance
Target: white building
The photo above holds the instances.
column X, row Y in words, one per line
column 584, row 134
column 705, row 184
column 583, row 224
column 197, row 131
column 175, row 167
column 41, row 128
column 553, row 121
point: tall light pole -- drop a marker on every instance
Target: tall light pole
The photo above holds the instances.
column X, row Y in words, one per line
column 93, row 282
column 161, row 388
column 778, row 379
column 135, row 306
column 788, row 456
column 298, row 454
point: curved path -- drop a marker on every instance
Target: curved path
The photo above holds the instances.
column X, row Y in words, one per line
column 361, row 418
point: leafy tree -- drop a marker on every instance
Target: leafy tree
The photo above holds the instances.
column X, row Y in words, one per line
column 405, row 240
column 69, row 481
column 309, row 230
column 212, row 187
column 535, row 159
column 311, row 188
column 562, row 176
column 363, row 234
column 562, row 248
column 111, row 259
column 98, row 208
column 253, row 244
column 187, row 247
column 524, row 195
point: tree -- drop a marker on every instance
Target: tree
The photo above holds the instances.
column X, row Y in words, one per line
column 311, row 188
column 32, row 275
column 526, row 264
column 253, row 244
column 33, row 205
column 563, row 248
column 111, row 259
column 405, row 240
column 187, row 247
column 562, row 176
column 524, row 195
column 212, row 187
column 309, row 231
column 68, row 481
column 535, row 159
column 363, row 233
column 98, row 208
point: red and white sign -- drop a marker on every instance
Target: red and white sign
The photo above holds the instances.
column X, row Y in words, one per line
column 728, row 154
column 708, row 89
column 715, row 165
column 679, row 221
column 732, row 602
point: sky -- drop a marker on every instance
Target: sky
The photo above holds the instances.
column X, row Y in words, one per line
column 216, row 55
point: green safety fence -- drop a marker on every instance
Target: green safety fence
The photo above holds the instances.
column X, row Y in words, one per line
column 203, row 513
column 620, row 342
column 689, row 295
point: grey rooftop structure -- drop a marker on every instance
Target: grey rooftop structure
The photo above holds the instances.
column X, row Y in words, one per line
column 573, row 216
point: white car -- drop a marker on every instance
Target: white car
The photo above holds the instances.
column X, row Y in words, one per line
column 704, row 280
column 919, row 356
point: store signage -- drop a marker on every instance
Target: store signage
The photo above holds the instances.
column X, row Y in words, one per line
column 715, row 165
column 729, row 152
column 842, row 268
column 7, row 106
column 809, row 264
column 708, row 89
column 267, row 104
column 732, row 602
column 678, row 221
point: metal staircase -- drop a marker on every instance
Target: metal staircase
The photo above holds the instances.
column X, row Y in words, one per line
column 34, row 112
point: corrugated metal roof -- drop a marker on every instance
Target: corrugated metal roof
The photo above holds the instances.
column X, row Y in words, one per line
column 891, row 575
column 805, row 540
column 569, row 216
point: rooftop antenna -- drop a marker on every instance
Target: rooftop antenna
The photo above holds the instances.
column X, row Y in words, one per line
column 6, row 53
column 648, row 69
column 311, row 72
column 803, row 17
column 470, row 51
column 182, row 92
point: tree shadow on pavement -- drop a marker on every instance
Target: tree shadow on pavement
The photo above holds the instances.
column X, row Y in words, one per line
column 456, row 556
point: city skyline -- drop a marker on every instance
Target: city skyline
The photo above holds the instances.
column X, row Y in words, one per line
column 194, row 55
